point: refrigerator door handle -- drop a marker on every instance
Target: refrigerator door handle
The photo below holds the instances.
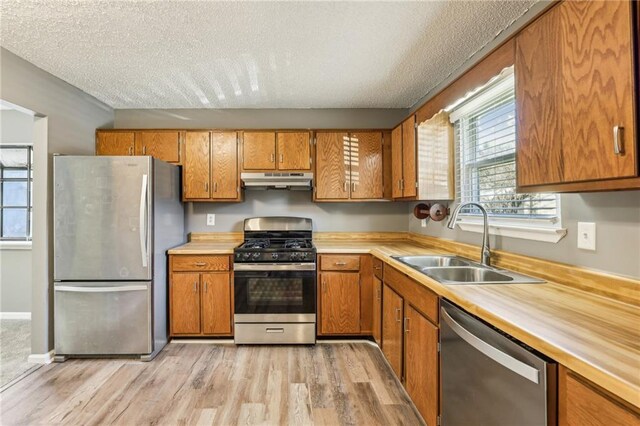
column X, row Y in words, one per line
column 142, row 226
column 100, row 289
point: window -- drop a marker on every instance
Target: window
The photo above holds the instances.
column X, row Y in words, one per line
column 16, row 183
column 485, row 139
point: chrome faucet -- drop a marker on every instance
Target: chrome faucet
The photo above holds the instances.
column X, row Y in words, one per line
column 485, row 254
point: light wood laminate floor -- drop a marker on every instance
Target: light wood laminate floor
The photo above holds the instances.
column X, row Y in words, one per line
column 221, row 384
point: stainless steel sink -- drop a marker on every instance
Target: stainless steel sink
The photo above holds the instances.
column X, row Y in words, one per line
column 464, row 275
column 419, row 262
column 454, row 270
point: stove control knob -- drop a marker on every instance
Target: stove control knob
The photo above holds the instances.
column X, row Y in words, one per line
column 255, row 256
column 294, row 256
column 274, row 256
column 246, row 256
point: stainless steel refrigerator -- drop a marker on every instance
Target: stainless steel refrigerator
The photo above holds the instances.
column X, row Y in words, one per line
column 114, row 220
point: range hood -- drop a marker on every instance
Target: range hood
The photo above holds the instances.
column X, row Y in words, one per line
column 276, row 180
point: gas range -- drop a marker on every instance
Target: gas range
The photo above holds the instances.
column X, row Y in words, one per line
column 275, row 282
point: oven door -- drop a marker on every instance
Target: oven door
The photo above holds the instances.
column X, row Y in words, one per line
column 275, row 292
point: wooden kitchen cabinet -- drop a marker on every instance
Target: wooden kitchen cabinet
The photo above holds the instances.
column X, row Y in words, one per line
column 196, row 171
column 410, row 337
column 576, row 97
column 421, row 377
column 185, row 303
column 349, row 166
column 210, row 167
column 283, row 150
column 345, row 294
column 216, row 306
column 392, row 306
column 161, row 144
column 581, row 402
column 200, row 295
column 115, row 142
column 294, row 150
column 403, row 163
column 340, row 301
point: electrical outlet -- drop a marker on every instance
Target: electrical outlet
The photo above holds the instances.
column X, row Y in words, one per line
column 211, row 219
column 587, row 236
column 423, row 223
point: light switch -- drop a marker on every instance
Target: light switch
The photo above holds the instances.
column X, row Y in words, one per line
column 587, row 236
column 423, row 223
column 211, row 219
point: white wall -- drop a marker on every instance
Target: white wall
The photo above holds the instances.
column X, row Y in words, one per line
column 72, row 117
column 16, row 128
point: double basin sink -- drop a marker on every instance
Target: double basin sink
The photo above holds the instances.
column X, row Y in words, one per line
column 454, row 270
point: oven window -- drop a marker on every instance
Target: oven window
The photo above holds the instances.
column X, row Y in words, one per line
column 274, row 292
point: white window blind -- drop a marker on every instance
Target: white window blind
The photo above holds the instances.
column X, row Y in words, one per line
column 485, row 136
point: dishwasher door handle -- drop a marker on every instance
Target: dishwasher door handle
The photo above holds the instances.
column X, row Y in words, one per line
column 507, row 361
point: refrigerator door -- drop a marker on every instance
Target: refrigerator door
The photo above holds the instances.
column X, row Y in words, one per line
column 102, row 217
column 103, row 318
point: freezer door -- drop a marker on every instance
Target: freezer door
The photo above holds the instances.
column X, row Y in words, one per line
column 103, row 318
column 102, row 217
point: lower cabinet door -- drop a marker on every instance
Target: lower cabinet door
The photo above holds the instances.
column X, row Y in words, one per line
column 392, row 305
column 377, row 310
column 340, row 303
column 421, row 363
column 216, row 303
column 185, row 303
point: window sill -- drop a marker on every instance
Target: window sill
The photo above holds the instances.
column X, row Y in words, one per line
column 535, row 233
column 15, row 245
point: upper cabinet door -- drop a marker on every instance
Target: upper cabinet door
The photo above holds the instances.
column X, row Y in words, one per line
column 224, row 165
column 259, row 151
column 538, row 79
column 196, row 169
column 396, row 162
column 115, row 143
column 409, row 175
column 598, row 90
column 332, row 166
column 366, row 165
column 294, row 151
column 163, row 145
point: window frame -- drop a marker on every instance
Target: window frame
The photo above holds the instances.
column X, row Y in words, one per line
column 18, row 242
column 541, row 227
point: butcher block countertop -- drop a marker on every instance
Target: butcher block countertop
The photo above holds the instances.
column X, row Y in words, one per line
column 568, row 318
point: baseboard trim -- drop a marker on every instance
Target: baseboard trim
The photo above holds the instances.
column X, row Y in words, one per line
column 15, row 315
column 42, row 358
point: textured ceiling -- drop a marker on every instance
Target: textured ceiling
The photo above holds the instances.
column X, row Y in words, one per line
column 205, row 54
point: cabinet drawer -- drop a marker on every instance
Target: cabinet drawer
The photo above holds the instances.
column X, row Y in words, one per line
column 420, row 297
column 200, row 263
column 377, row 267
column 340, row 263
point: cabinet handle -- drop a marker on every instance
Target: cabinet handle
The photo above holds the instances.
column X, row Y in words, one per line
column 324, row 286
column 200, row 264
column 195, row 287
column 272, row 157
column 618, row 147
column 406, row 325
column 206, row 187
column 205, row 287
column 377, row 267
column 344, row 186
column 215, row 186
column 282, row 158
column 398, row 316
column 400, row 184
column 379, row 295
column 353, row 187
column 130, row 150
column 144, row 150
column 340, row 263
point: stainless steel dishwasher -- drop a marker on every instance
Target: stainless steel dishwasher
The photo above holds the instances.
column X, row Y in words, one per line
column 489, row 378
